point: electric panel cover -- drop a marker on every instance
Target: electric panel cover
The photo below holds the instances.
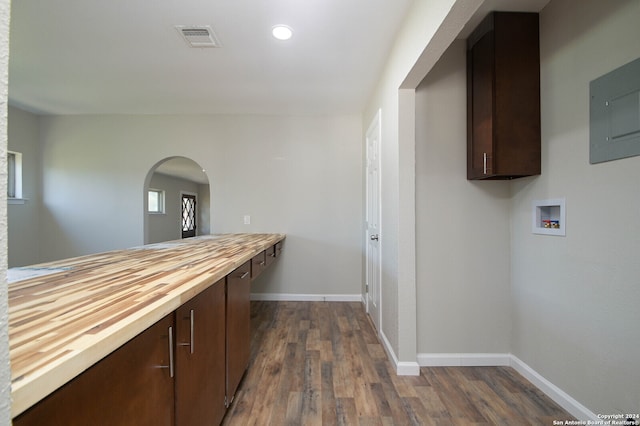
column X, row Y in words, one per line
column 614, row 130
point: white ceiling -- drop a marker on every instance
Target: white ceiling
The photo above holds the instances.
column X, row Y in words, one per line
column 183, row 168
column 126, row 57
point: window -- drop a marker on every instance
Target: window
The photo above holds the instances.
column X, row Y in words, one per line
column 156, row 201
column 14, row 171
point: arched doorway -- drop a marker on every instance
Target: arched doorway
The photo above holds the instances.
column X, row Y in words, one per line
column 176, row 200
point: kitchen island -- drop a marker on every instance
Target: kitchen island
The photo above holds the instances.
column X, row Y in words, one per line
column 65, row 316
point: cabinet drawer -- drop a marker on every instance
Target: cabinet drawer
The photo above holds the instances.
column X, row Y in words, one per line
column 258, row 264
column 270, row 254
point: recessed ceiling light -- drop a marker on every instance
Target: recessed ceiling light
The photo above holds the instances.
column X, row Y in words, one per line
column 282, row 32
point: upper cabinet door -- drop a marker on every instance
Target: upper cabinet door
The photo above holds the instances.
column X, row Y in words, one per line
column 503, row 97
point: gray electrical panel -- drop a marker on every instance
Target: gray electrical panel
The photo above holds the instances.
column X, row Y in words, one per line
column 614, row 130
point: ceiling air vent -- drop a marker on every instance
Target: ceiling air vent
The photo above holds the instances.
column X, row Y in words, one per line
column 198, row 36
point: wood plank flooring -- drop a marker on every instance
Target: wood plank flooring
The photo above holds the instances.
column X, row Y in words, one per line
column 320, row 363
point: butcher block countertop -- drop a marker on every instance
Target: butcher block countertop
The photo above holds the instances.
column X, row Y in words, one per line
column 64, row 316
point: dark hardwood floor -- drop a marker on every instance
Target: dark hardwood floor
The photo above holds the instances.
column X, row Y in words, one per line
column 320, row 363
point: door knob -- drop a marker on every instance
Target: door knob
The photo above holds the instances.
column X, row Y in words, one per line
column 374, row 237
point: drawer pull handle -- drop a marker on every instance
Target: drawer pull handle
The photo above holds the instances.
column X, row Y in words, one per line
column 262, row 263
column 243, row 276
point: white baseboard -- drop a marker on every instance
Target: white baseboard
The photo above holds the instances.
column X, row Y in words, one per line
column 463, row 360
column 552, row 391
column 477, row 360
column 403, row 368
column 307, row 297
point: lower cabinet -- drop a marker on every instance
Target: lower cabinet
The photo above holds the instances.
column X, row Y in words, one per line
column 184, row 370
column 125, row 388
column 200, row 358
column 238, row 326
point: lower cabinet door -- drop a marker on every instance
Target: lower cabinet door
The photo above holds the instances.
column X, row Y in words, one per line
column 200, row 358
column 131, row 386
column 238, row 326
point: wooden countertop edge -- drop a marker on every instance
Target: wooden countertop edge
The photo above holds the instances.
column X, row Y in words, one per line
column 30, row 390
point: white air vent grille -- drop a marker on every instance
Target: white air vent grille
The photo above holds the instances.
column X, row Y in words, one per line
column 198, row 36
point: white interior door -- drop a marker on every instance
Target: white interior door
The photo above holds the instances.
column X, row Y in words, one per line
column 373, row 221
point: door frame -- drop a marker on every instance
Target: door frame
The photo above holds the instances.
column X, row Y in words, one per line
column 374, row 129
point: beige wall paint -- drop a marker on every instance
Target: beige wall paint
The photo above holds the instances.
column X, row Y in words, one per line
column 297, row 175
column 462, row 227
column 573, row 300
column 420, row 25
column 576, row 299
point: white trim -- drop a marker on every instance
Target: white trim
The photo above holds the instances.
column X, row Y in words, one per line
column 559, row 396
column 406, row 368
column 307, row 297
column 162, row 196
column 374, row 129
column 17, row 200
column 403, row 368
column 387, row 347
column 463, row 359
column 15, row 175
column 537, row 217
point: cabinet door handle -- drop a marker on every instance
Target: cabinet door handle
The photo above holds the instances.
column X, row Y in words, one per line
column 484, row 161
column 243, row 276
column 191, row 335
column 262, row 263
column 170, row 366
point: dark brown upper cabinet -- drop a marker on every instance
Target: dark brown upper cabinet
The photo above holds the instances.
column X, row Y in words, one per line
column 503, row 97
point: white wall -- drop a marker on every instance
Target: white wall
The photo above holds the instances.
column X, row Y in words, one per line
column 576, row 299
column 5, row 373
column 462, row 227
column 24, row 219
column 297, row 175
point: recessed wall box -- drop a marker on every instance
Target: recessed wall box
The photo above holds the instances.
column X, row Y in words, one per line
column 549, row 217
